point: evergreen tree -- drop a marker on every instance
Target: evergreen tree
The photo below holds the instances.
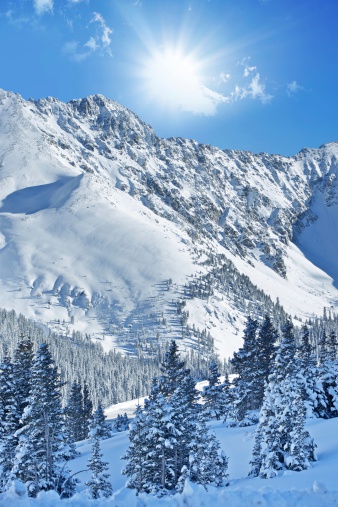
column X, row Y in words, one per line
column 99, row 486
column 172, row 369
column 328, row 374
column 137, row 452
column 23, row 361
column 215, row 394
column 160, row 469
column 9, row 418
column 266, row 344
column 87, row 412
column 162, row 439
column 73, row 413
column 279, row 442
column 41, row 438
column 98, row 426
column 332, row 347
column 312, row 390
column 207, row 464
column 301, row 449
column 121, row 423
column 245, row 364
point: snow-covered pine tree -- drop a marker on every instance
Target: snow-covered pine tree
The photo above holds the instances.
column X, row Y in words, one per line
column 266, row 343
column 207, row 463
column 328, row 373
column 73, row 413
column 159, row 467
column 245, row 364
column 9, row 418
column 162, row 440
column 302, row 447
column 87, row 411
column 137, row 452
column 172, row 369
column 23, row 361
column 41, row 438
column 98, row 425
column 277, row 439
column 185, row 411
column 121, row 423
column 312, row 390
column 215, row 394
column 98, row 485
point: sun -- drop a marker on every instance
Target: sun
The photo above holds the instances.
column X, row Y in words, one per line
column 172, row 77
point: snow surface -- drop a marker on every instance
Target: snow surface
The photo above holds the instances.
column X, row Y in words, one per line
column 315, row 487
column 82, row 249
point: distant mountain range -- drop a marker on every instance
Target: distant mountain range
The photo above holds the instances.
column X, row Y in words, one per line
column 108, row 229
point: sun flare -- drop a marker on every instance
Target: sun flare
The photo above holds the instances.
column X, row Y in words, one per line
column 171, row 76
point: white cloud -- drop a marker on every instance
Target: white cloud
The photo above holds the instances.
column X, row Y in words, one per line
column 293, row 88
column 43, row 6
column 106, row 31
column 98, row 43
column 248, row 70
column 224, row 77
column 254, row 90
column 257, row 90
column 92, row 44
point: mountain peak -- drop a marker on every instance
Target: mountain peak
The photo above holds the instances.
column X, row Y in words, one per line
column 97, row 215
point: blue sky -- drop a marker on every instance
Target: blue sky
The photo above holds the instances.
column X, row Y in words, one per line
column 259, row 75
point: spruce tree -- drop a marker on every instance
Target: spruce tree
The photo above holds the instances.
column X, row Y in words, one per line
column 162, row 439
column 266, row 349
column 160, row 467
column 215, row 394
column 280, row 442
column 137, row 452
column 172, row 369
column 301, row 448
column 87, row 412
column 9, row 418
column 73, row 413
column 121, row 423
column 41, row 438
column 328, row 373
column 245, row 365
column 207, row 463
column 98, row 426
column 99, row 486
column 23, row 361
column 312, row 390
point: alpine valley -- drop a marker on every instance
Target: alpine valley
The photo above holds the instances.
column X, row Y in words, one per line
column 109, row 230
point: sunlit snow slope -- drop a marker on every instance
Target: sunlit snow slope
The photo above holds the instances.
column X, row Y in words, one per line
column 103, row 225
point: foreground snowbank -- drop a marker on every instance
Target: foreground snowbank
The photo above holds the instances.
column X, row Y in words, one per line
column 192, row 496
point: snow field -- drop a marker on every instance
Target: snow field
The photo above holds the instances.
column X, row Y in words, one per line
column 315, row 487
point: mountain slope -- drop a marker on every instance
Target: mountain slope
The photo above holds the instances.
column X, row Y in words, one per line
column 104, row 226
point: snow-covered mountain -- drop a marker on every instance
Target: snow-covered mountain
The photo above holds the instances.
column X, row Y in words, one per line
column 106, row 228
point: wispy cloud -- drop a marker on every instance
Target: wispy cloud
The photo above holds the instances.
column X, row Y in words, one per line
column 224, row 77
column 43, row 6
column 106, row 32
column 293, row 88
column 253, row 90
column 248, row 70
column 98, row 43
column 13, row 19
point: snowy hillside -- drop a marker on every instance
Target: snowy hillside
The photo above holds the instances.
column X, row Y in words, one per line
column 107, row 229
column 315, row 487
